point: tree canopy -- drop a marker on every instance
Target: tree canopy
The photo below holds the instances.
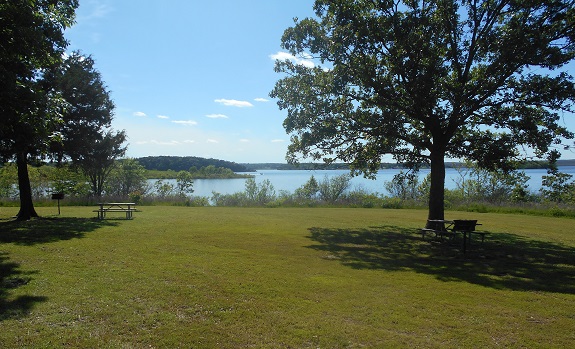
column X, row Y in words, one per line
column 32, row 39
column 428, row 80
column 89, row 108
column 184, row 163
column 85, row 136
column 32, row 42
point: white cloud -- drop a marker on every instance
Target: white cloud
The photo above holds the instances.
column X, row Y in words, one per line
column 185, row 122
column 100, row 10
column 140, row 114
column 212, row 141
column 163, row 117
column 91, row 13
column 156, row 142
column 96, row 38
column 243, row 140
column 217, row 116
column 234, row 103
column 305, row 59
column 95, row 10
column 189, row 141
column 282, row 56
column 263, row 100
column 169, row 143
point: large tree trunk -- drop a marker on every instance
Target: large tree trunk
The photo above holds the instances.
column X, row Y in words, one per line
column 27, row 210
column 437, row 190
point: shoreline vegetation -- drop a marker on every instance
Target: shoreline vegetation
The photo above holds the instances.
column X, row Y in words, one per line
column 477, row 191
column 222, row 174
column 167, row 167
column 226, row 173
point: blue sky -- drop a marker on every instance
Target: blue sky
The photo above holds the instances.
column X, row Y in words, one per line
column 190, row 77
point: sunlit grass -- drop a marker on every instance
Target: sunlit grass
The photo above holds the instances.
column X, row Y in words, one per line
column 296, row 278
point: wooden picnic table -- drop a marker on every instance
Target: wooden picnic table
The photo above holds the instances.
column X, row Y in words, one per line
column 127, row 207
column 451, row 228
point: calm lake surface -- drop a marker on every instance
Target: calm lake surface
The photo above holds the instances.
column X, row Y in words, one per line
column 290, row 180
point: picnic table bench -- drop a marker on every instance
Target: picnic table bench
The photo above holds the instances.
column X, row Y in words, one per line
column 450, row 228
column 127, row 207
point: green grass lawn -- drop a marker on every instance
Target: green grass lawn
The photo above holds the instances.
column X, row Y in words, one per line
column 216, row 277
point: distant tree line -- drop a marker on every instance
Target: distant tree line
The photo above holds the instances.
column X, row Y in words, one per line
column 184, row 163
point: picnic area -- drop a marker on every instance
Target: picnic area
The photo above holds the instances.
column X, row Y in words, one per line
column 215, row 277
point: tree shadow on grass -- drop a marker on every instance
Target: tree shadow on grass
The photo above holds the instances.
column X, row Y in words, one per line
column 10, row 278
column 45, row 230
column 36, row 231
column 502, row 261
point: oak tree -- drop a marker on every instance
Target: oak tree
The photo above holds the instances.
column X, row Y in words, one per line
column 425, row 80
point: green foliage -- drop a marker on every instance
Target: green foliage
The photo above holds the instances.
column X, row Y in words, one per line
column 163, row 189
column 126, row 177
column 259, row 194
column 330, row 189
column 558, row 187
column 406, row 186
column 177, row 163
column 208, row 172
column 254, row 195
column 423, row 81
column 184, row 183
column 85, row 135
column 212, row 171
column 69, row 181
column 476, row 190
column 309, row 190
column 227, row 200
column 8, row 178
column 477, row 184
column 32, row 37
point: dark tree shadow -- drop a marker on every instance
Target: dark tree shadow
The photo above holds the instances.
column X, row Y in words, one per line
column 36, row 231
column 45, row 230
column 502, row 261
column 10, row 278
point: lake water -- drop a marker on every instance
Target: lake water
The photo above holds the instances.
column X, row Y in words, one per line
column 290, row 180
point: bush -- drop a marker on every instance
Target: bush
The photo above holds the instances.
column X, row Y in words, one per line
column 259, row 194
column 394, row 203
column 330, row 189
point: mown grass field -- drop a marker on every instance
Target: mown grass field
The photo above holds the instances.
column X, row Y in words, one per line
column 213, row 277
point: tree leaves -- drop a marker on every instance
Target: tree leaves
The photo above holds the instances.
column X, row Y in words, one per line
column 465, row 79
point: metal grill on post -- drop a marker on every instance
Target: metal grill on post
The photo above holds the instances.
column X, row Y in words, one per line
column 58, row 196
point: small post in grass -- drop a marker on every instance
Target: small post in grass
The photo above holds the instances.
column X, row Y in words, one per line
column 58, row 196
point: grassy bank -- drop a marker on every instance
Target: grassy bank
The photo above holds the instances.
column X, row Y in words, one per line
column 282, row 278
